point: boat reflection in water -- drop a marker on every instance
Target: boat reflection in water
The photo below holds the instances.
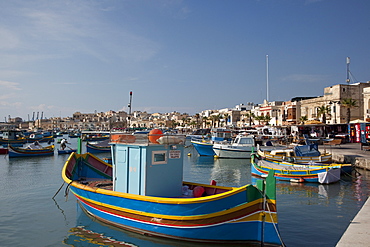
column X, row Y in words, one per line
column 305, row 190
column 92, row 232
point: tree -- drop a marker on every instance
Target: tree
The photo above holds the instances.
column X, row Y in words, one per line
column 259, row 119
column 349, row 103
column 251, row 116
column 323, row 110
column 267, row 119
column 204, row 122
column 303, row 119
column 226, row 117
column 197, row 116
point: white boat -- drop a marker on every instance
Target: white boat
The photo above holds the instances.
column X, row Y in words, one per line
column 240, row 148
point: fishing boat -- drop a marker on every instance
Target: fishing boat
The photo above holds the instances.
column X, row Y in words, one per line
column 143, row 192
column 204, row 146
column 39, row 138
column 12, row 137
column 94, row 138
column 3, row 150
column 324, row 174
column 241, row 147
column 29, row 152
column 66, row 151
column 298, row 154
column 101, row 147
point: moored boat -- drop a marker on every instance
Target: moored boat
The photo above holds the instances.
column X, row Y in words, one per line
column 298, row 154
column 3, row 150
column 29, row 152
column 130, row 195
column 101, row 147
column 66, row 151
column 241, row 147
column 324, row 174
column 204, row 146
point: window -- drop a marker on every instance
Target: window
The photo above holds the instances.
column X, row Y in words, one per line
column 159, row 157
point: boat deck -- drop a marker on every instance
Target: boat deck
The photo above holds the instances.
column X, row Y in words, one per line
column 107, row 184
column 283, row 167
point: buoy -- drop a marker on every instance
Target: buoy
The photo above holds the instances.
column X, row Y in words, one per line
column 301, row 180
column 216, row 157
column 154, row 135
column 189, row 154
column 198, row 191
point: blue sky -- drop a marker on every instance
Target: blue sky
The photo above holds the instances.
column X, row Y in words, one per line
column 59, row 57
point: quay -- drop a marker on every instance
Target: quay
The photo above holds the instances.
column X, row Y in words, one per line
column 358, row 231
column 349, row 153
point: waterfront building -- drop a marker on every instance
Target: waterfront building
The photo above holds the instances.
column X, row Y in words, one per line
column 332, row 99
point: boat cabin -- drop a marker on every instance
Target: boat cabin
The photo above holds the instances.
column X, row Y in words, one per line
column 148, row 168
column 242, row 140
column 12, row 134
column 220, row 134
column 283, row 152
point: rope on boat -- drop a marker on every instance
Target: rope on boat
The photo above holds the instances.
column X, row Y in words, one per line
column 274, row 224
column 58, row 190
column 265, row 204
column 66, row 192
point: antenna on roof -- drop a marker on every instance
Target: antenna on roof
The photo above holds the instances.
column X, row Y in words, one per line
column 348, row 61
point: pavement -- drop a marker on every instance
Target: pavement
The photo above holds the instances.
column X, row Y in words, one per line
column 349, row 153
column 358, row 231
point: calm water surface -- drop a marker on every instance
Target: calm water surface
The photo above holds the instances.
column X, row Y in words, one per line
column 309, row 214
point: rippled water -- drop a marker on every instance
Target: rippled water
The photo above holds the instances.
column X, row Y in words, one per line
column 309, row 214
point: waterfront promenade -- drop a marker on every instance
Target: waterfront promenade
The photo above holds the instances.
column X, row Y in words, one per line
column 358, row 231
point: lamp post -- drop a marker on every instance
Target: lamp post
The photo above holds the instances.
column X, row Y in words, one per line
column 334, row 103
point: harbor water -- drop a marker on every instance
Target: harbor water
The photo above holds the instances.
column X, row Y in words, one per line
column 309, row 214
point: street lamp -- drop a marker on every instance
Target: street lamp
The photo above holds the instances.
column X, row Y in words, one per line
column 334, row 103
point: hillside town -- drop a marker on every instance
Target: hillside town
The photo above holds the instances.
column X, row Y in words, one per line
column 339, row 104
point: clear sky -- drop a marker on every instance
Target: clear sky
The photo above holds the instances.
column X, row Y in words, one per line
column 59, row 57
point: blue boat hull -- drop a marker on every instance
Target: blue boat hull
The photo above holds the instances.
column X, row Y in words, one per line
column 204, row 148
column 24, row 152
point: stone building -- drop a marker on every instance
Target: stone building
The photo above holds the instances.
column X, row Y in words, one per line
column 332, row 97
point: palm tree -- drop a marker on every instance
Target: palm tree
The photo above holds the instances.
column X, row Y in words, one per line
column 197, row 116
column 349, row 103
column 259, row 119
column 303, row 119
column 226, row 117
column 267, row 119
column 251, row 116
column 323, row 110
column 204, row 122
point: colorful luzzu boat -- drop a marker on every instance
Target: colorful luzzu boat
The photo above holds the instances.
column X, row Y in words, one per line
column 27, row 152
column 143, row 191
column 97, row 148
column 324, row 174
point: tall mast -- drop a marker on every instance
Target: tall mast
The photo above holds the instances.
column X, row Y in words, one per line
column 129, row 109
column 348, row 61
column 267, row 77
